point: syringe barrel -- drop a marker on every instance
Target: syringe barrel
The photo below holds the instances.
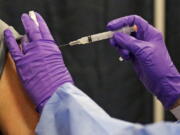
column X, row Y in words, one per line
column 102, row 36
column 109, row 34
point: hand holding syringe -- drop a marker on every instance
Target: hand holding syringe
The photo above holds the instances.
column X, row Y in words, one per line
column 94, row 37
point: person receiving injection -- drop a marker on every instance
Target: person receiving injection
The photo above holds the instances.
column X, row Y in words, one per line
column 65, row 109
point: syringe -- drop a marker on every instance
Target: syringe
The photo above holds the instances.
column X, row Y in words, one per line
column 101, row 36
column 94, row 37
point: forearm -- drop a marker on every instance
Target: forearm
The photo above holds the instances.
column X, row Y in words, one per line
column 177, row 103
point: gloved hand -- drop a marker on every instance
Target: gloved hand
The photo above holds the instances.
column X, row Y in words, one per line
column 147, row 51
column 39, row 63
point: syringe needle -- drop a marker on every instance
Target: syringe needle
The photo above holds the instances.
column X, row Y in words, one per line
column 64, row 45
column 72, row 43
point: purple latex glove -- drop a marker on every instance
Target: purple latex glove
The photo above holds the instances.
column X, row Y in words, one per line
column 150, row 58
column 39, row 63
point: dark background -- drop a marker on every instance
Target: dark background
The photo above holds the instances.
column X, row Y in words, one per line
column 95, row 68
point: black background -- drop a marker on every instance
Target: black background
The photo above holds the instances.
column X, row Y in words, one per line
column 95, row 68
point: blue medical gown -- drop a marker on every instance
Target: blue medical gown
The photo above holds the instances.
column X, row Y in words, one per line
column 71, row 112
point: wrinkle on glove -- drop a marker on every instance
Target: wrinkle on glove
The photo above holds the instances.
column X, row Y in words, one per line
column 39, row 63
column 150, row 58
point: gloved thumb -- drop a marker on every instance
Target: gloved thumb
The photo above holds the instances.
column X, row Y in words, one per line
column 128, row 42
column 124, row 53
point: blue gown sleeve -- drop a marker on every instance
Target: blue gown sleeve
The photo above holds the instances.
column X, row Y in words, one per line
column 71, row 112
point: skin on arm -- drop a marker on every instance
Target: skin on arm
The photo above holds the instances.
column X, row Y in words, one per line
column 177, row 103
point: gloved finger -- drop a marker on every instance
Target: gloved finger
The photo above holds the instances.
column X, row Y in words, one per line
column 124, row 53
column 145, row 31
column 12, row 44
column 128, row 21
column 24, row 43
column 128, row 42
column 25, row 39
column 112, row 42
column 45, row 32
column 31, row 29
